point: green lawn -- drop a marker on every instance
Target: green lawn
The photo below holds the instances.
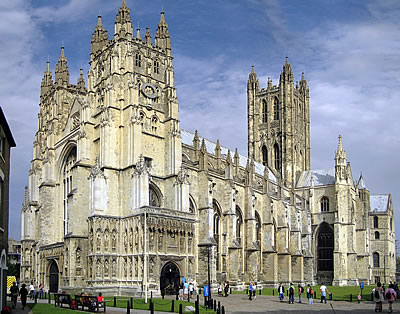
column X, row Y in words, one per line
column 45, row 308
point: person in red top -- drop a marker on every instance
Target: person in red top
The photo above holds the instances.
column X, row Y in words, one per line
column 100, row 298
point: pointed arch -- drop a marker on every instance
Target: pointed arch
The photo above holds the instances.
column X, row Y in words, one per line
column 277, row 157
column 325, row 244
column 264, row 152
column 217, row 231
column 192, row 205
column 239, row 224
column 375, row 259
column 276, row 108
column 155, row 195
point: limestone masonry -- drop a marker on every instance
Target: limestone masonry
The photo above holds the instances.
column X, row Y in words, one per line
column 120, row 198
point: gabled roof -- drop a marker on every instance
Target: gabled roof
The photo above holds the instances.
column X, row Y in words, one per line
column 320, row 176
column 361, row 184
column 187, row 138
column 379, row 203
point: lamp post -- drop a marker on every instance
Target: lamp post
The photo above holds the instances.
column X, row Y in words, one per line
column 209, row 273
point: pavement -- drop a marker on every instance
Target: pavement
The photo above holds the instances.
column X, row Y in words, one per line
column 239, row 303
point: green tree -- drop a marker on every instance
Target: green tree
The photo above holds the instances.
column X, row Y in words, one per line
column 13, row 269
column 398, row 263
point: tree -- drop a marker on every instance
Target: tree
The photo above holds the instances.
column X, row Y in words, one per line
column 13, row 269
column 398, row 263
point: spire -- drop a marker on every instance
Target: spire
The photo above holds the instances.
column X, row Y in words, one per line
column 340, row 162
column 138, row 36
column 303, row 82
column 252, row 82
column 361, row 183
column 99, row 37
column 123, row 24
column 47, row 81
column 62, row 72
column 228, row 157
column 81, row 82
column 26, row 197
column 162, row 39
column 147, row 37
column 287, row 73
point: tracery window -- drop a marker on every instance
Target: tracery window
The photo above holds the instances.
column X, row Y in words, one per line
column 239, row 223
column 156, row 66
column 67, row 182
column 138, row 59
column 375, row 258
column 264, row 112
column 377, row 235
column 264, row 156
column 325, row 248
column 277, row 157
column 154, row 199
column 324, row 204
column 276, row 109
column 258, row 227
column 216, row 229
column 375, row 222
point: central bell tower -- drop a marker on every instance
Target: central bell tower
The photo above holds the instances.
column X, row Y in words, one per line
column 279, row 124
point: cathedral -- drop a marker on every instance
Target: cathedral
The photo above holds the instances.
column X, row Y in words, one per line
column 121, row 200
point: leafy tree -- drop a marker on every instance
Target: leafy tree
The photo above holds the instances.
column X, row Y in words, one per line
column 13, row 269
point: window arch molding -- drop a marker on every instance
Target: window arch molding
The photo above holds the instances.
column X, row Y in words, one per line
column 276, row 108
column 62, row 158
column 217, row 224
column 192, row 205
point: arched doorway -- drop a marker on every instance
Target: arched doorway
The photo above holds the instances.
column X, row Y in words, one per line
column 170, row 278
column 325, row 248
column 53, row 277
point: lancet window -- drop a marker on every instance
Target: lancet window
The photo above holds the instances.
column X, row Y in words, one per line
column 276, row 109
column 216, row 229
column 67, row 183
column 239, row 224
column 324, row 204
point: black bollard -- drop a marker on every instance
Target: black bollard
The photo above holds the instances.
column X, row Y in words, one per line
column 180, row 309
column 128, row 308
column 196, row 306
column 247, row 291
column 173, row 306
column 287, row 292
column 199, row 290
column 49, row 298
column 115, row 301
column 330, row 296
column 315, row 295
column 223, row 310
column 198, row 299
column 36, row 298
column 219, row 306
column 259, row 292
column 205, row 302
column 372, row 297
column 176, row 297
column 151, row 294
column 215, row 305
column 132, row 303
column 351, row 297
column 273, row 292
column 151, row 306
column 230, row 290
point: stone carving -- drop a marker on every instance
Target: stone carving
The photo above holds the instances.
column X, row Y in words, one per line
column 95, row 171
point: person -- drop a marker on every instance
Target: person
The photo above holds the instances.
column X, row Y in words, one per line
column 191, row 289
column 220, row 289
column 41, row 291
column 31, row 290
column 186, row 290
column 226, row 289
column 323, row 291
column 250, row 290
column 254, row 290
column 310, row 294
column 100, row 298
column 359, row 298
column 281, row 292
column 291, row 294
column 301, row 290
column 14, row 294
column 390, row 296
column 23, row 292
column 181, row 291
column 378, row 297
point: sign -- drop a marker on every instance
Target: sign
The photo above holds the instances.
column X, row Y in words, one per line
column 361, row 285
column 206, row 291
column 10, row 281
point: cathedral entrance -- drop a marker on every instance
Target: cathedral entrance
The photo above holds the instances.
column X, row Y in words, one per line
column 325, row 254
column 170, row 279
column 53, row 277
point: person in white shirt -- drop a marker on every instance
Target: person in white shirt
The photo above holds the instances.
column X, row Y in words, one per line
column 31, row 290
column 323, row 290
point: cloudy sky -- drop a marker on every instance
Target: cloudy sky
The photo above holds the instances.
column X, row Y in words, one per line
column 349, row 51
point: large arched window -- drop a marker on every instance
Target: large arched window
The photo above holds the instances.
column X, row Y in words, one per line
column 67, row 183
column 264, row 156
column 216, row 229
column 264, row 112
column 324, row 204
column 258, row 227
column 276, row 109
column 277, row 158
column 325, row 248
column 377, row 235
column 375, row 222
column 375, row 258
column 239, row 224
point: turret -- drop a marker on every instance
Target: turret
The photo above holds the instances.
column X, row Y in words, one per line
column 340, row 162
column 252, row 82
column 62, row 72
column 47, row 81
column 147, row 37
column 162, row 39
column 80, row 85
column 138, row 36
column 287, row 73
column 99, row 38
column 123, row 24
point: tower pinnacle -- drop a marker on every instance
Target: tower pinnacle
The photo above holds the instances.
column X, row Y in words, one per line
column 123, row 24
column 99, row 37
column 62, row 72
column 162, row 39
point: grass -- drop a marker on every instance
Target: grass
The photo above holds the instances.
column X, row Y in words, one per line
column 338, row 293
column 45, row 308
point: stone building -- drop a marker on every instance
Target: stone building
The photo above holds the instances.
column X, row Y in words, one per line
column 120, row 199
column 6, row 142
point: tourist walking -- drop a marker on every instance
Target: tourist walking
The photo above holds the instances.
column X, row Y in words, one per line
column 281, row 291
column 378, row 297
column 390, row 296
column 254, row 290
column 323, row 289
column 301, row 291
column 310, row 294
column 14, row 294
column 226, row 288
column 250, row 290
column 291, row 294
column 31, row 290
column 23, row 292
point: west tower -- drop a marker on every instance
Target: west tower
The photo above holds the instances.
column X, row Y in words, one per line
column 279, row 124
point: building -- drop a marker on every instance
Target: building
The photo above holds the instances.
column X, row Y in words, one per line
column 136, row 203
column 6, row 142
column 14, row 251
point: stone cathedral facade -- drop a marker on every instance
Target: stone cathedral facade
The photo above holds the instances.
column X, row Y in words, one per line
column 120, row 198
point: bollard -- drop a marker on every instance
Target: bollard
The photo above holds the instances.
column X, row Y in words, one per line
column 128, row 309
column 151, row 294
column 219, row 306
column 215, row 305
column 259, row 292
column 115, row 301
column 230, row 290
column 247, row 291
column 198, row 299
column 163, row 293
column 273, row 292
column 351, row 297
column 151, row 307
column 223, row 310
column 315, row 295
column 205, row 302
column 180, row 309
column 196, row 306
column 287, row 292
column 45, row 295
column 173, row 306
column 176, row 297
column 372, row 296
column 49, row 298
column 36, row 298
column 132, row 303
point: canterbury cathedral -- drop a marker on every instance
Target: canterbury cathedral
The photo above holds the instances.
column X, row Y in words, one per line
column 121, row 200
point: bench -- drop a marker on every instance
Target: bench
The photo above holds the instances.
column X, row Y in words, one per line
column 61, row 298
column 90, row 302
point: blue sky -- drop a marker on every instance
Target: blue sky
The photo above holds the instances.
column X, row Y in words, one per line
column 349, row 51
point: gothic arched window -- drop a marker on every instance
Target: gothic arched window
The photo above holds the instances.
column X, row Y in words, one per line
column 154, row 198
column 239, row 223
column 377, row 235
column 375, row 258
column 375, row 222
column 156, row 66
column 216, row 229
column 258, row 227
column 191, row 206
column 264, row 112
column 67, row 183
column 277, row 158
column 264, row 156
column 325, row 248
column 138, row 60
column 324, row 204
column 276, row 109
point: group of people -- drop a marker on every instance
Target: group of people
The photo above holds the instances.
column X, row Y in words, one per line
column 223, row 290
column 380, row 295
column 252, row 290
column 15, row 292
column 300, row 290
column 186, row 289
